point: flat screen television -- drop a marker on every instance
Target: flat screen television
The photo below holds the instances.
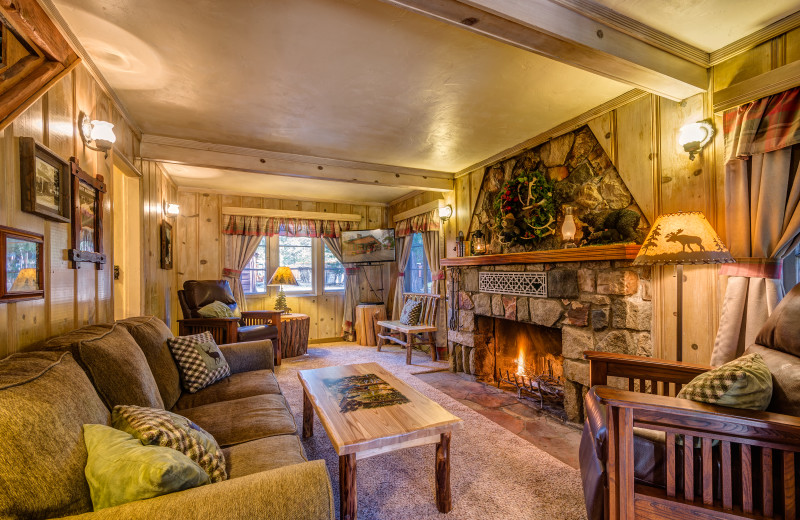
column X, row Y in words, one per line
column 370, row 245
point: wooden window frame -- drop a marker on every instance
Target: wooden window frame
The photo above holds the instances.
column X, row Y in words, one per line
column 5, row 296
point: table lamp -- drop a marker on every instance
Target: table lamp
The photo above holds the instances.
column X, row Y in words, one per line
column 682, row 238
column 282, row 276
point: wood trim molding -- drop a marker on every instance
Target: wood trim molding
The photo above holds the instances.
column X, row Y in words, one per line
column 567, row 126
column 419, row 210
column 751, row 40
column 311, row 215
column 267, row 196
column 575, row 254
column 766, row 84
column 637, row 29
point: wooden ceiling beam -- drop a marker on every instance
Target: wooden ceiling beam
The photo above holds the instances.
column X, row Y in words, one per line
column 568, row 36
column 224, row 157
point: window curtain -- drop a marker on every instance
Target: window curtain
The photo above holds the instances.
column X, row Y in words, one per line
column 404, row 245
column 239, row 249
column 350, row 288
column 431, row 246
column 762, row 196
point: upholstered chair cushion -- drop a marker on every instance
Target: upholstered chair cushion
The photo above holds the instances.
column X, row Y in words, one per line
column 120, row 469
column 152, row 334
column 782, row 329
column 45, row 399
column 785, row 370
column 199, row 293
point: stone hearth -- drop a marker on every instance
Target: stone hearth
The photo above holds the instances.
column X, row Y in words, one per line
column 597, row 305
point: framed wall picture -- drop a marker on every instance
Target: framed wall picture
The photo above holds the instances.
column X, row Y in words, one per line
column 44, row 181
column 22, row 253
column 166, row 245
column 87, row 217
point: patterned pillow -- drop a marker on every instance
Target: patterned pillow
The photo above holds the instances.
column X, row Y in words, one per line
column 745, row 382
column 162, row 428
column 411, row 312
column 200, row 360
column 215, row 309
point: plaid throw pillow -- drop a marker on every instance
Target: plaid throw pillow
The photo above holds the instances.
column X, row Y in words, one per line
column 162, row 428
column 200, row 360
column 745, row 382
column 411, row 312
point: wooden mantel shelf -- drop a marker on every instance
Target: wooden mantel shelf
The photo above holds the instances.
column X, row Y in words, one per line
column 576, row 254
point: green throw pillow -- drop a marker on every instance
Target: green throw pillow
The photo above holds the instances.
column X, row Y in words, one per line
column 217, row 309
column 411, row 312
column 745, row 382
column 120, row 469
column 170, row 430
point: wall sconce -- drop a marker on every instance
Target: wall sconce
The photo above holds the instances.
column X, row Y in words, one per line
column 478, row 243
column 97, row 135
column 173, row 210
column 445, row 213
column 694, row 136
column 568, row 229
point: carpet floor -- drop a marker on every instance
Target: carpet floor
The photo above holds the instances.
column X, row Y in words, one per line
column 494, row 474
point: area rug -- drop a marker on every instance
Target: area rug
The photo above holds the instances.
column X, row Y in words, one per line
column 494, row 474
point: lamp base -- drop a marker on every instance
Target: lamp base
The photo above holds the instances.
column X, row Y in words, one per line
column 280, row 302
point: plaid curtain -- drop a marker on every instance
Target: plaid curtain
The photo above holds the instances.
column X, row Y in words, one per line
column 418, row 224
column 285, row 227
column 765, row 125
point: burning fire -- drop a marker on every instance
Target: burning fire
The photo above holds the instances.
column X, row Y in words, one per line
column 521, row 363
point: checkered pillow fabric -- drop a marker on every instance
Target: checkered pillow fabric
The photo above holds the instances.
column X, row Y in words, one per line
column 200, row 360
column 745, row 382
column 411, row 312
column 162, row 428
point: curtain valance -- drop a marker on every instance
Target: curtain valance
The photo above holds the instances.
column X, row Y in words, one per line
column 417, row 224
column 762, row 126
column 285, row 227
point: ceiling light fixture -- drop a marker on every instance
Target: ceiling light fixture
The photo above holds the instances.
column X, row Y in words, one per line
column 97, row 135
column 694, row 136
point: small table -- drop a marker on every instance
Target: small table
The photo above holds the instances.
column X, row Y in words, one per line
column 294, row 334
column 365, row 323
column 405, row 419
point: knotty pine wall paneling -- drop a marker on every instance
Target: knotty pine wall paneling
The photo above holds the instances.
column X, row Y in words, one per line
column 73, row 297
column 200, row 251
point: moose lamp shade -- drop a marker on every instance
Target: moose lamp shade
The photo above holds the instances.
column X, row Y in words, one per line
column 682, row 238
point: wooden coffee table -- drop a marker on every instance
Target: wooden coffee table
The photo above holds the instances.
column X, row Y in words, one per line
column 373, row 414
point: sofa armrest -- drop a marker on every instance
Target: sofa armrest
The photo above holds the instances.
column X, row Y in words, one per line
column 287, row 493
column 248, row 355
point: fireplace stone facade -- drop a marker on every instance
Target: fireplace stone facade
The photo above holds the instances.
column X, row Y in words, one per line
column 598, row 305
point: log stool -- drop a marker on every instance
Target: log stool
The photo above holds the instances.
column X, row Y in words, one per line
column 294, row 334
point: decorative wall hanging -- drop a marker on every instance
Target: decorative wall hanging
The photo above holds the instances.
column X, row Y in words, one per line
column 44, row 180
column 166, row 245
column 87, row 217
column 21, row 277
column 525, row 209
column 522, row 284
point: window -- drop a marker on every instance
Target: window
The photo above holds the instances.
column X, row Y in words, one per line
column 254, row 275
column 334, row 272
column 297, row 253
column 417, row 278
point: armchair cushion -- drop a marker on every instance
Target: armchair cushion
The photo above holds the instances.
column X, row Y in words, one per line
column 200, row 360
column 257, row 332
column 744, row 382
column 199, row 293
column 780, row 332
column 785, row 369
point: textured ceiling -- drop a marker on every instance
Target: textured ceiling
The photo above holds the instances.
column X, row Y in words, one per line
column 349, row 79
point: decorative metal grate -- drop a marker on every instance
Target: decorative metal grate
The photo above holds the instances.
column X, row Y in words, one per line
column 522, row 284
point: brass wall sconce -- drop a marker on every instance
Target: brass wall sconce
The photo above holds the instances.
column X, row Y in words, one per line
column 695, row 136
column 96, row 135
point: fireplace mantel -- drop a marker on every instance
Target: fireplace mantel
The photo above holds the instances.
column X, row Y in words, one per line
column 575, row 254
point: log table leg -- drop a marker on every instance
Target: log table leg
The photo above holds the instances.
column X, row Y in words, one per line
column 443, row 501
column 348, row 501
column 308, row 417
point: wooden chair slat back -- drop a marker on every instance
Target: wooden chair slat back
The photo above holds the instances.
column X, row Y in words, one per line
column 429, row 303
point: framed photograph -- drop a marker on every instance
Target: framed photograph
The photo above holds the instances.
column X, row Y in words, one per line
column 166, row 245
column 44, row 180
column 21, row 277
column 87, row 217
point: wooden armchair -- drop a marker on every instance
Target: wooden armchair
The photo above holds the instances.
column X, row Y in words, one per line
column 716, row 462
column 252, row 326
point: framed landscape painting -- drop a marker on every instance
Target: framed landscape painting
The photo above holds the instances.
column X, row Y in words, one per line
column 44, row 181
column 22, row 254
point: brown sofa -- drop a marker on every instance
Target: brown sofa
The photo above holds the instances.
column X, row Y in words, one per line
column 76, row 378
column 683, row 483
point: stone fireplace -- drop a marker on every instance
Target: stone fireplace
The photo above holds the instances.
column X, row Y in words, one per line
column 587, row 305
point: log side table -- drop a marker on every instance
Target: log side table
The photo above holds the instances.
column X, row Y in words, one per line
column 294, row 334
column 365, row 323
